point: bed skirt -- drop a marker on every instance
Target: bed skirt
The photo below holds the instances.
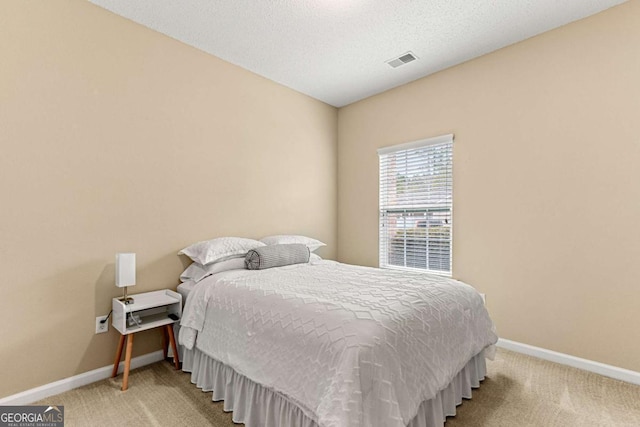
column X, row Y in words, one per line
column 257, row 406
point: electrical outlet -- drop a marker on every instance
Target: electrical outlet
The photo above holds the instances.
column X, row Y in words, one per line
column 101, row 327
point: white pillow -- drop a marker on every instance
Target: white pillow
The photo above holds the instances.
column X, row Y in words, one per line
column 197, row 272
column 219, row 249
column 314, row 257
column 284, row 239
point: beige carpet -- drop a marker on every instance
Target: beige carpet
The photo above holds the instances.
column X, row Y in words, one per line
column 518, row 391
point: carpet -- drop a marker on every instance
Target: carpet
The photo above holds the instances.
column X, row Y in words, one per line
column 519, row 391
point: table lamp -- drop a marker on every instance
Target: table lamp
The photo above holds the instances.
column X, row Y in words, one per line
column 125, row 274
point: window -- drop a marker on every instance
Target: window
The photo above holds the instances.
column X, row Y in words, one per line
column 416, row 204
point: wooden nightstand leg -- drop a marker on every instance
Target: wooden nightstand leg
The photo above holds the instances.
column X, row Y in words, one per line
column 165, row 343
column 127, row 362
column 116, row 362
column 172, row 339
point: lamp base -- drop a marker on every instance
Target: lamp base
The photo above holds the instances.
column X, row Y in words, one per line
column 126, row 300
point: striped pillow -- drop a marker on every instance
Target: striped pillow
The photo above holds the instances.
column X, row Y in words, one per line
column 276, row 256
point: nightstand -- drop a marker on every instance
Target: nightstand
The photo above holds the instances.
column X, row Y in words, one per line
column 149, row 310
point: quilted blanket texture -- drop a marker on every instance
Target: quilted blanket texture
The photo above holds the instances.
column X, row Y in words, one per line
column 351, row 346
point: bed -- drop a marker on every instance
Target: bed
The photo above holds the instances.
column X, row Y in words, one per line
column 334, row 345
column 185, row 289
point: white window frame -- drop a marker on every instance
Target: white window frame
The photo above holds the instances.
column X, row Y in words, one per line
column 387, row 208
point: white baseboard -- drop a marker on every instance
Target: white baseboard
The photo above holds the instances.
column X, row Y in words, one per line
column 621, row 374
column 57, row 387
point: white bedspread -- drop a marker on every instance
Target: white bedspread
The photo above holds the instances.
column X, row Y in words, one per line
column 352, row 346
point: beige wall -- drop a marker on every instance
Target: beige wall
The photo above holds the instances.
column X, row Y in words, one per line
column 546, row 181
column 116, row 138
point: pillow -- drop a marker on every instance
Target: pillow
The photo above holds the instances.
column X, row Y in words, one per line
column 285, row 239
column 314, row 257
column 197, row 272
column 194, row 272
column 276, row 256
column 219, row 249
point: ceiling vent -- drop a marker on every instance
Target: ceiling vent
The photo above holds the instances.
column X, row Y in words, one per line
column 405, row 58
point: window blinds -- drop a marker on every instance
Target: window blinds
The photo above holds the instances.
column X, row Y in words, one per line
column 416, row 205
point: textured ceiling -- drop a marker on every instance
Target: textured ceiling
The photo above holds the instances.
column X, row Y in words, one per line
column 335, row 50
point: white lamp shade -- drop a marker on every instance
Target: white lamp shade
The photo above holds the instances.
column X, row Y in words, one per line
column 125, row 269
